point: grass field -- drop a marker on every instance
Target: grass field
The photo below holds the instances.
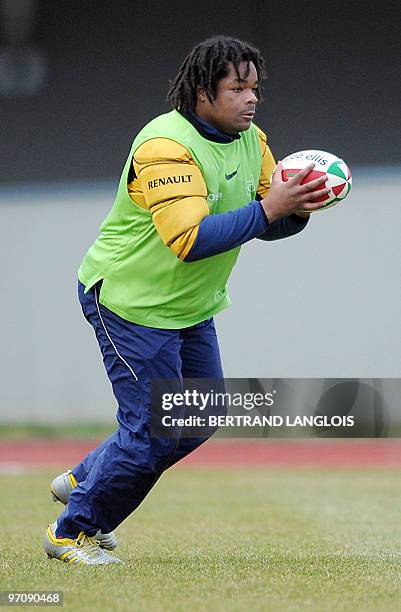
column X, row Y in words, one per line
column 225, row 540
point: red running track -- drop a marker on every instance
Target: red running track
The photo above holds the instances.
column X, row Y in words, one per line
column 222, row 453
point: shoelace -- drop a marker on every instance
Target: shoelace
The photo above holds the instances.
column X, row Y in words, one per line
column 88, row 545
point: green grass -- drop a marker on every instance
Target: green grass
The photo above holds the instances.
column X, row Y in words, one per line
column 225, row 540
column 33, row 430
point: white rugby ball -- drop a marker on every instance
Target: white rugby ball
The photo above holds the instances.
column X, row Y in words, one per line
column 339, row 179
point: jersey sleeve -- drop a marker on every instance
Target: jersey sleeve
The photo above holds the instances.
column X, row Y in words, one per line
column 171, row 186
column 268, row 165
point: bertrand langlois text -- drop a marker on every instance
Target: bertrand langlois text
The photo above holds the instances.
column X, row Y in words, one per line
column 247, row 420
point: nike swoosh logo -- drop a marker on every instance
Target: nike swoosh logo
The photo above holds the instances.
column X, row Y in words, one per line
column 230, row 176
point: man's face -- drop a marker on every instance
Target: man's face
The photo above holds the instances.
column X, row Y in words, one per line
column 233, row 108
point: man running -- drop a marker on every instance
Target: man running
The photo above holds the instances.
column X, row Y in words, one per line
column 195, row 187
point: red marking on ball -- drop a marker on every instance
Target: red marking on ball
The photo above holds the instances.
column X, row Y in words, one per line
column 337, row 189
column 289, row 173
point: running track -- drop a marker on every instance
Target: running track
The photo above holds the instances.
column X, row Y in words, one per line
column 23, row 455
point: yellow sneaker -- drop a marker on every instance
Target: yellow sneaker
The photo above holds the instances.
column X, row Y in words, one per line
column 61, row 488
column 84, row 549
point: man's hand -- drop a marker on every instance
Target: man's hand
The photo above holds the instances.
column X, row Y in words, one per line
column 288, row 197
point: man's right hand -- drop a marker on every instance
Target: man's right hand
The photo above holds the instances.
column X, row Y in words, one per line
column 287, row 197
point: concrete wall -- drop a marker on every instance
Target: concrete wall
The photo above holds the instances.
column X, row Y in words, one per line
column 325, row 303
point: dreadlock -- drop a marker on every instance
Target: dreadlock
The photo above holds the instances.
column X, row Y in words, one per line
column 206, row 64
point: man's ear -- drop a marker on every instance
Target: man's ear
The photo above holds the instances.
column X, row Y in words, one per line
column 201, row 95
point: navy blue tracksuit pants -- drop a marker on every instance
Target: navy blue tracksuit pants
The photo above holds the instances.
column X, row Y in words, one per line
column 115, row 477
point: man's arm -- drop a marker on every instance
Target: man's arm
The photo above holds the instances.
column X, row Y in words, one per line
column 170, row 185
column 167, row 182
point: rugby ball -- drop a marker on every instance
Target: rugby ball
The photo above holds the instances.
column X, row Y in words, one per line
column 339, row 179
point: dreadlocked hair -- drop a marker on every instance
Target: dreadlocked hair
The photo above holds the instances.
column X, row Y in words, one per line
column 206, row 64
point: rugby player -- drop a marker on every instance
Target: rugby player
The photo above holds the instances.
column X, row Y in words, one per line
column 195, row 187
